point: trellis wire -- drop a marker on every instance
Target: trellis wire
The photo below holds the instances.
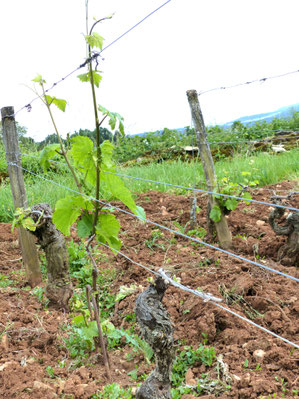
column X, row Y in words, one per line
column 186, row 188
column 93, row 57
column 161, row 226
column 205, row 191
column 135, row 26
column 261, row 80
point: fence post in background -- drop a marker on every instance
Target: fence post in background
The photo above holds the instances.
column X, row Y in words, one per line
column 13, row 156
column 223, row 233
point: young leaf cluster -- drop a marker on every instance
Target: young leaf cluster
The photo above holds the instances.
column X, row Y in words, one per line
column 71, row 208
column 22, row 218
column 227, row 204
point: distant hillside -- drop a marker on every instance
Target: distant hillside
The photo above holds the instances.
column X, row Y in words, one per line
column 283, row 112
column 267, row 116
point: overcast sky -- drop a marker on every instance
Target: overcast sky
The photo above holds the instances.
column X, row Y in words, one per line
column 188, row 44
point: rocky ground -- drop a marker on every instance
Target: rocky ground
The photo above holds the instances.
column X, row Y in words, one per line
column 257, row 365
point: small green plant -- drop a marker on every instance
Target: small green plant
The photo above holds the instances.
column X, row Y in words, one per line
column 154, row 240
column 5, row 281
column 80, row 342
column 39, row 293
column 181, row 229
column 205, row 338
column 188, row 358
column 133, row 374
column 6, row 328
column 50, row 372
column 138, row 344
column 283, row 385
column 200, row 232
column 113, row 391
column 246, row 362
column 177, row 393
column 43, row 262
column 232, row 297
column 83, row 275
column 227, row 204
column 77, row 255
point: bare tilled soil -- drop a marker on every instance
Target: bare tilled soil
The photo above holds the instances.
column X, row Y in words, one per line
column 256, row 364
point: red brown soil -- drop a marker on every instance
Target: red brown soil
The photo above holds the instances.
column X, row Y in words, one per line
column 33, row 337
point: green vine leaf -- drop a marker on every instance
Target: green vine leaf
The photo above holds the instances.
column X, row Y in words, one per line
column 215, row 214
column 95, row 40
column 29, row 224
column 22, row 218
column 107, row 149
column 59, row 102
column 231, row 204
column 113, row 183
column 84, row 157
column 67, row 211
column 114, row 117
column 86, row 77
column 247, row 196
column 84, row 226
column 89, row 332
column 39, row 79
column 46, row 154
column 107, row 230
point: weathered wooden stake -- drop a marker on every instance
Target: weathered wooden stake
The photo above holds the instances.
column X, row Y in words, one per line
column 28, row 248
column 223, row 233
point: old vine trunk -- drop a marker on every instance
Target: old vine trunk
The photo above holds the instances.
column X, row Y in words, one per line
column 59, row 287
column 288, row 254
column 156, row 329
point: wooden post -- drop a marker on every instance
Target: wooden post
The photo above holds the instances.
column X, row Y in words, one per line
column 13, row 156
column 223, row 233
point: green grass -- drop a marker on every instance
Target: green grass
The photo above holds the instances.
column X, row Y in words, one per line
column 37, row 190
column 264, row 167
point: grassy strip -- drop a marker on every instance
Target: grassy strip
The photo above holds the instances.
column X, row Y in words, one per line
column 37, row 190
column 264, row 167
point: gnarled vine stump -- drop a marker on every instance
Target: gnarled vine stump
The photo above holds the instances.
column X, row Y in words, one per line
column 59, row 287
column 288, row 254
column 156, row 329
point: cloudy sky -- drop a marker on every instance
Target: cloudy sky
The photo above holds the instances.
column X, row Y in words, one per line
column 188, row 44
